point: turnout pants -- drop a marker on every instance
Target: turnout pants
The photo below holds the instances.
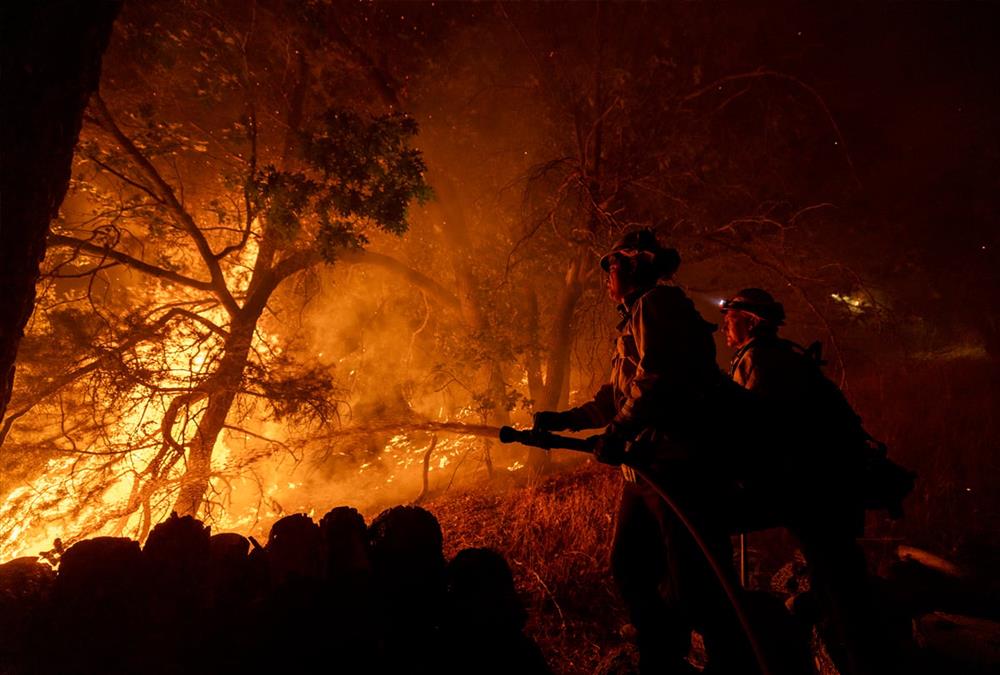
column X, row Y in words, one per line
column 838, row 576
column 666, row 583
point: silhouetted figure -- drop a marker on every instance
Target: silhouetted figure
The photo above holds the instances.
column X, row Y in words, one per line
column 25, row 592
column 236, row 590
column 349, row 612
column 230, row 580
column 408, row 565
column 294, row 550
column 99, row 609
column 484, row 618
column 661, row 408
column 784, row 640
column 345, row 541
column 294, row 608
column 177, row 561
column 819, row 481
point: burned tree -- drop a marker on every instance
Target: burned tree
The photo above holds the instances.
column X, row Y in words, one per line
column 187, row 214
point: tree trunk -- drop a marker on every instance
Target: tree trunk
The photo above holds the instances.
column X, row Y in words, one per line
column 533, row 363
column 51, row 65
column 223, row 387
column 561, row 338
column 554, row 392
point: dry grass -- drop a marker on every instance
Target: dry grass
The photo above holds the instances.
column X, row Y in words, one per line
column 556, row 535
column 939, row 419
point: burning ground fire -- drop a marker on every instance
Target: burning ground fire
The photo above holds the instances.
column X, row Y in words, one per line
column 247, row 496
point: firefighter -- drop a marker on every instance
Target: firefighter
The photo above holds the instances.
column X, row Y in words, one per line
column 664, row 379
column 820, row 479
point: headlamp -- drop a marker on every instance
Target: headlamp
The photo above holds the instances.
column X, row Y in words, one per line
column 727, row 305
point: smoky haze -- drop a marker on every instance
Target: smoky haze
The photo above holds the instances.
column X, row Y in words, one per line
column 845, row 160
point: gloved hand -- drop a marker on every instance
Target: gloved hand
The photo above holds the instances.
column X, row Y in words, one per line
column 549, row 420
column 610, row 447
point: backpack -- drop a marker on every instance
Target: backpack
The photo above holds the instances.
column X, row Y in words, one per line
column 883, row 483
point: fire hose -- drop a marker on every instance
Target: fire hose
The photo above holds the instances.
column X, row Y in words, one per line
column 549, row 441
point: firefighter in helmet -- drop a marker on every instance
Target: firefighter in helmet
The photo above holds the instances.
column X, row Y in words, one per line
column 751, row 319
column 659, row 400
column 817, row 484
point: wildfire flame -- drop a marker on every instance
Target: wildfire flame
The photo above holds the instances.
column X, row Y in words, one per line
column 88, row 492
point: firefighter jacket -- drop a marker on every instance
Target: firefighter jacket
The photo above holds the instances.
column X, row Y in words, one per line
column 789, row 380
column 821, row 459
column 771, row 368
column 663, row 371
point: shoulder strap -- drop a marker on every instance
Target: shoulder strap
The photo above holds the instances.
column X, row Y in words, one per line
column 734, row 363
column 814, row 353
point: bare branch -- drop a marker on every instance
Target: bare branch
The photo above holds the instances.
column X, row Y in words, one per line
column 256, row 456
column 80, row 275
column 418, row 279
column 427, row 465
column 761, row 73
column 140, row 334
column 170, row 417
column 134, row 263
column 211, row 325
column 252, row 160
column 126, row 179
column 304, row 259
column 388, row 88
column 168, row 196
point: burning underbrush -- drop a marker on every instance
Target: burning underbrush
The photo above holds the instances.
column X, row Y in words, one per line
column 253, row 484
